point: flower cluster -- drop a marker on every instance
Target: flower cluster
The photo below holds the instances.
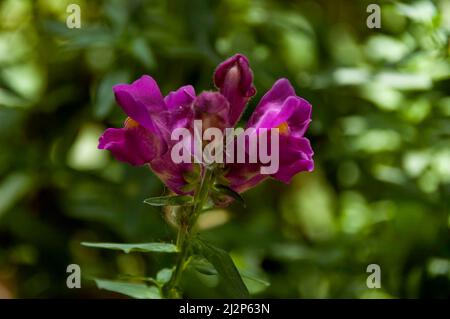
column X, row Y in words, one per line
column 145, row 138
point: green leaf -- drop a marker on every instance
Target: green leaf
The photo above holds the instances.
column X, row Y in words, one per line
column 144, row 247
column 7, row 88
column 137, row 278
column 135, row 290
column 203, row 266
column 164, row 275
column 104, row 98
column 225, row 267
column 175, row 200
column 225, row 190
column 80, row 38
column 12, row 189
column 142, row 51
column 206, row 268
column 260, row 281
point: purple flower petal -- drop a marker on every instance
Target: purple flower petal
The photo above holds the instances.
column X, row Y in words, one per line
column 300, row 118
column 294, row 113
column 272, row 101
column 180, row 98
column 243, row 176
column 171, row 174
column 279, row 108
column 234, row 78
column 140, row 100
column 179, row 111
column 213, row 109
column 135, row 145
column 295, row 156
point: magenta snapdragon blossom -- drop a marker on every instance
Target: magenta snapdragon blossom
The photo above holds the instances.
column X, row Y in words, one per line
column 145, row 138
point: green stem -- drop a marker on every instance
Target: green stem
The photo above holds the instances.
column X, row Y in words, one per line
column 187, row 223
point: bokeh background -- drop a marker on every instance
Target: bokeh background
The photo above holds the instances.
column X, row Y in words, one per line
column 381, row 133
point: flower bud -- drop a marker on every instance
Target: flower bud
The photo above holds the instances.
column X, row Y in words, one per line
column 234, row 79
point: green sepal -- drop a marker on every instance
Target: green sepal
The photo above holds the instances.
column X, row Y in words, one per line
column 173, row 200
column 221, row 189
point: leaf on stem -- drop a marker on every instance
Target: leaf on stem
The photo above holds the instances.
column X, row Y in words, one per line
column 143, row 247
column 225, row 267
column 206, row 268
column 134, row 290
column 163, row 276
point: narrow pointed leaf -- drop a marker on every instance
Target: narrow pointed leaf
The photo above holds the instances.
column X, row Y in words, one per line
column 127, row 248
column 175, row 200
column 126, row 277
column 225, row 267
column 206, row 268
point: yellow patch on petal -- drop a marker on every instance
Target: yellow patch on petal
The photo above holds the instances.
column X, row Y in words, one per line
column 283, row 128
column 130, row 123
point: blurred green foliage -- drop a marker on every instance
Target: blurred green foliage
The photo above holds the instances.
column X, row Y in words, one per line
column 381, row 126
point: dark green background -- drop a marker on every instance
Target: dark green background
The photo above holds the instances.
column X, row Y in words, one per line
column 381, row 125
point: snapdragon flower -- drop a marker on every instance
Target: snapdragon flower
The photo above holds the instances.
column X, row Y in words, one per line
column 145, row 138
